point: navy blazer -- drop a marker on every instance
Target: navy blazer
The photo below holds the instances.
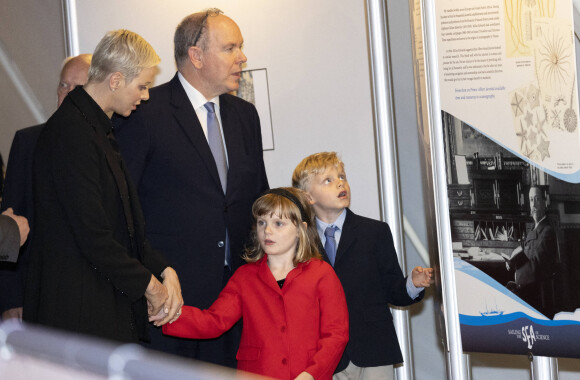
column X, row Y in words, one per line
column 186, row 211
column 368, row 268
column 18, row 195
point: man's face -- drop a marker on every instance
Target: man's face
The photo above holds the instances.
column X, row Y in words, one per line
column 222, row 58
column 329, row 193
column 74, row 74
column 537, row 204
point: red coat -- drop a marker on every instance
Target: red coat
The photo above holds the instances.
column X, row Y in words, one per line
column 301, row 327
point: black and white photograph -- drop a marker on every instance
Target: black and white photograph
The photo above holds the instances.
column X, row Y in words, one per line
column 511, row 220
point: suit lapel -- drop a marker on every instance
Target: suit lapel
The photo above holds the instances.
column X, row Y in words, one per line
column 189, row 123
column 348, row 235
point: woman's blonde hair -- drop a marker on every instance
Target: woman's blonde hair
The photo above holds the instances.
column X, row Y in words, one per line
column 286, row 202
column 122, row 51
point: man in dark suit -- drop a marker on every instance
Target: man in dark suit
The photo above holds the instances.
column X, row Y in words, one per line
column 535, row 261
column 362, row 252
column 18, row 186
column 200, row 227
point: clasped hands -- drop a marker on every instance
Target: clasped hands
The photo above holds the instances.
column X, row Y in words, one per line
column 164, row 300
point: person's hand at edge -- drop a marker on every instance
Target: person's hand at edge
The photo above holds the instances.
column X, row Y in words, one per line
column 22, row 223
column 15, row 313
column 422, row 277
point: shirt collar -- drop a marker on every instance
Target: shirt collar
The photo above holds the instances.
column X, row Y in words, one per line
column 339, row 222
column 195, row 97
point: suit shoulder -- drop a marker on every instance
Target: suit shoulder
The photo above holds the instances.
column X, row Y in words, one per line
column 369, row 223
column 26, row 137
column 162, row 90
column 28, row 132
column 236, row 102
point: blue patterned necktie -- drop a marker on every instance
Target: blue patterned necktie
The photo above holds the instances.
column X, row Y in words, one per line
column 330, row 243
column 216, row 144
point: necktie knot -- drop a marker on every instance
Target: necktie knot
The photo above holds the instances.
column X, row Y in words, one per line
column 330, row 244
column 329, row 231
column 209, row 106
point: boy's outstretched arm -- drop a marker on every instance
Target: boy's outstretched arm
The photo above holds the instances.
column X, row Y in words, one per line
column 422, row 277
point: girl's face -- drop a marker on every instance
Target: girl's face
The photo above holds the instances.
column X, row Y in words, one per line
column 277, row 236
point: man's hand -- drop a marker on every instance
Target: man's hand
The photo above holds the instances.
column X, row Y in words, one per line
column 22, row 222
column 422, row 277
column 12, row 313
column 156, row 295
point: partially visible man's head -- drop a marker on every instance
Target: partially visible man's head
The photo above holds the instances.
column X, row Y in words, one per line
column 537, row 203
column 75, row 72
column 208, row 52
column 191, row 31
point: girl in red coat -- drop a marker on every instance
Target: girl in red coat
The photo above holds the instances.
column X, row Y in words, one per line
column 292, row 304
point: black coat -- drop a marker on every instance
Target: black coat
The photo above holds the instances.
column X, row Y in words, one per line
column 367, row 266
column 84, row 275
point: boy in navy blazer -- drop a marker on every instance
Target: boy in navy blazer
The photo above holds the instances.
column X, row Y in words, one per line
column 362, row 252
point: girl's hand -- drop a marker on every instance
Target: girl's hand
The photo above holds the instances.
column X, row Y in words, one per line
column 304, row 376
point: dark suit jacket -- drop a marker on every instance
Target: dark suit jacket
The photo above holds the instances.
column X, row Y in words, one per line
column 184, row 205
column 84, row 275
column 535, row 266
column 367, row 266
column 538, row 260
column 18, row 195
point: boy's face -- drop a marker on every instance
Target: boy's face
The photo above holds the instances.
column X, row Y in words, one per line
column 329, row 193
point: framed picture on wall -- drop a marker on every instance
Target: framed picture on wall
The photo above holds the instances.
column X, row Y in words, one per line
column 254, row 89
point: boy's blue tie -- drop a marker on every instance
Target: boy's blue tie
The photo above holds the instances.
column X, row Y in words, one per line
column 216, row 144
column 330, row 243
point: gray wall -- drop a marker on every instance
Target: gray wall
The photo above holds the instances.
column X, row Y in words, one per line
column 31, row 32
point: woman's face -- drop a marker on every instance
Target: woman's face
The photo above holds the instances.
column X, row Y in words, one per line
column 129, row 95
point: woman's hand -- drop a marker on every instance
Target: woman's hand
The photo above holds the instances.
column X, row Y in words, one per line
column 156, row 295
column 175, row 300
